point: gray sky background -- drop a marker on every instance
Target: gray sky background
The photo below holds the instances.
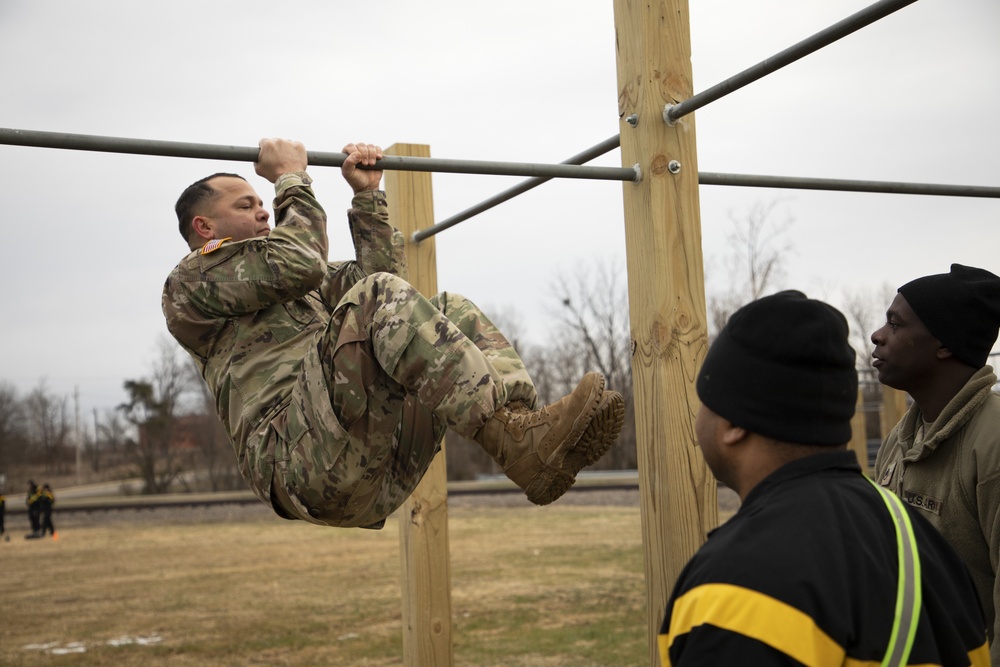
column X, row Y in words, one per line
column 88, row 238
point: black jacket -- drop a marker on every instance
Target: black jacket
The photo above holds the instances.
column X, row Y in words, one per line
column 806, row 573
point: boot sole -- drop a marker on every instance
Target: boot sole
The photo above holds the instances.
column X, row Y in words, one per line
column 601, row 433
column 602, row 429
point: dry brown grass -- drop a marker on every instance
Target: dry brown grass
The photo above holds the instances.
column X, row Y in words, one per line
column 551, row 586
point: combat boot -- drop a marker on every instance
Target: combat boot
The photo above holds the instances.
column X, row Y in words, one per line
column 542, row 450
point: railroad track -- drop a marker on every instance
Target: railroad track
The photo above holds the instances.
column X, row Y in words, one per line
column 586, row 484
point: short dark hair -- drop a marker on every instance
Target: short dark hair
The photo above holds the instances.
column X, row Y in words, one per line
column 192, row 199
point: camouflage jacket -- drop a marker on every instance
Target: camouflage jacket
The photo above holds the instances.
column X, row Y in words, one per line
column 246, row 311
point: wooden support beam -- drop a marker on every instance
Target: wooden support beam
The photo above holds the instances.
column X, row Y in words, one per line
column 678, row 497
column 859, row 435
column 423, row 519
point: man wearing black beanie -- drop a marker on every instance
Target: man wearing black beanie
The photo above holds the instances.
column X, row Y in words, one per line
column 808, row 571
column 943, row 457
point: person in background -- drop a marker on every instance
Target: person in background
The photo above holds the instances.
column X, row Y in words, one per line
column 809, row 570
column 3, row 510
column 943, row 457
column 46, row 501
column 34, row 510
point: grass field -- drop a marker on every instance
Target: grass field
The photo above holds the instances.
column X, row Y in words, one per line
column 554, row 586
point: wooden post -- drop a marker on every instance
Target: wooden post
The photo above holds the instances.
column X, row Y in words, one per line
column 892, row 410
column 859, row 435
column 678, row 496
column 423, row 519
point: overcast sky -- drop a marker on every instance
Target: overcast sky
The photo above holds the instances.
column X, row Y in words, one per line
column 88, row 238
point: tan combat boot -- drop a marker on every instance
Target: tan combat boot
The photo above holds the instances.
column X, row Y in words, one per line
column 542, row 450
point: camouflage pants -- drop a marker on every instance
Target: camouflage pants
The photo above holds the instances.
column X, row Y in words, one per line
column 392, row 371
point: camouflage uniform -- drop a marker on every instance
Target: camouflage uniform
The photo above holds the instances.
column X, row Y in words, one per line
column 335, row 381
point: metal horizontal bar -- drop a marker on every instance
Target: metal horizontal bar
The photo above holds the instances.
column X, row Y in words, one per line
column 823, row 38
column 754, row 181
column 605, row 146
column 441, row 165
column 888, row 187
column 607, row 480
column 86, row 142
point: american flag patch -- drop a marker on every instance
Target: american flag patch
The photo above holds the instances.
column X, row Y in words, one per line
column 214, row 245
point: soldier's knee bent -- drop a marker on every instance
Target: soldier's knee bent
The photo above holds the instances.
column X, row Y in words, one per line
column 385, row 281
column 449, row 302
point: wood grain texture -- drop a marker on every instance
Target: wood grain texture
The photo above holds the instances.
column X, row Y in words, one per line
column 423, row 519
column 666, row 291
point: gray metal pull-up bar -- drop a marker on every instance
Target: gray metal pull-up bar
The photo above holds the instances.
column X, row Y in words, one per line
column 600, row 149
column 735, row 180
column 85, row 142
column 540, row 173
column 842, row 185
column 823, row 38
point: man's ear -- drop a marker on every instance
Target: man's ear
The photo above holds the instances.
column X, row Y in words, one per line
column 202, row 227
column 943, row 352
column 732, row 434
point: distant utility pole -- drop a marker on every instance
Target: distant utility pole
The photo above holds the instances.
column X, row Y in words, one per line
column 76, row 430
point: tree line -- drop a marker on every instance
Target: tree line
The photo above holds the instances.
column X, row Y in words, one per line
column 165, row 433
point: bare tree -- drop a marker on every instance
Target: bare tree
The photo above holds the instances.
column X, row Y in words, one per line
column 153, row 407
column 13, row 442
column 755, row 262
column 592, row 334
column 594, row 311
column 48, row 428
column 111, row 435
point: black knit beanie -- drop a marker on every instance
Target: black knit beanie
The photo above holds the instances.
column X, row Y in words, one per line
column 782, row 368
column 961, row 309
